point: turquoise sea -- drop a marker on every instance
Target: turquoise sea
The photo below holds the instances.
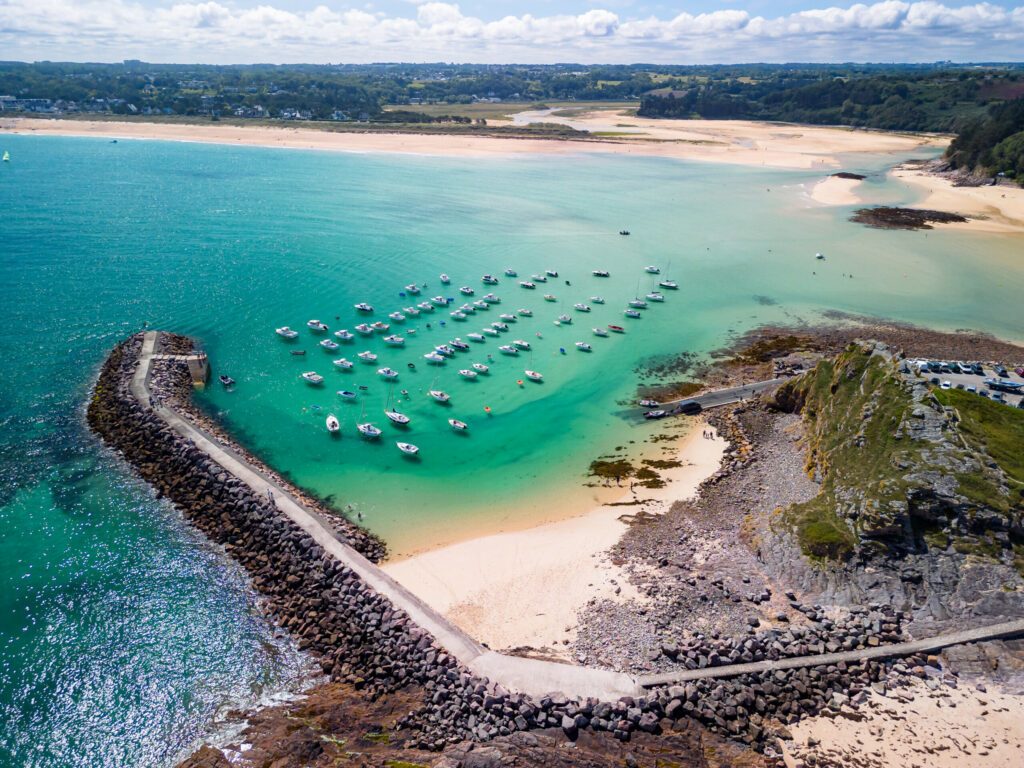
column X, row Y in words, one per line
column 123, row 635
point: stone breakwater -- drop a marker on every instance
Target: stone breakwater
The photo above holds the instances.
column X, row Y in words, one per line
column 362, row 639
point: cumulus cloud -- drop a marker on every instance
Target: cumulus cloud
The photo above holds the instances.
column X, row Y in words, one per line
column 221, row 32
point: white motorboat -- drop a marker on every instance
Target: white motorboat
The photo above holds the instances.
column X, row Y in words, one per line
column 368, row 430
column 672, row 285
column 363, row 307
column 444, row 349
column 655, row 296
column 565, row 318
column 286, row 333
column 597, row 299
column 652, row 270
column 461, row 426
column 408, row 448
column 550, row 297
column 511, row 273
column 478, row 337
column 520, row 344
column 343, row 364
column 312, row 377
column 601, row 273
column 551, row 272
column 508, row 349
column 467, row 308
column 380, row 327
column 466, row 290
column 412, row 289
column 410, row 311
column 527, row 284
column 458, row 314
column 467, row 374
column 346, row 394
column 397, row 418
column 478, row 304
column 533, row 375
column 507, row 317
column 525, row 312
column 440, row 301
column 458, row 344
column 316, row 325
column 333, row 425
column 581, row 307
column 364, row 329
column 426, row 306
column 394, row 340
column 635, row 314
column 329, row 345
column 481, row 368
column 344, row 335
column 398, row 317
column 489, row 280
column 440, row 396
column 538, row 278
column 500, row 326
column 600, row 332
column 490, row 331
column 638, row 303
column 367, row 356
column 445, row 279
column 490, row 298
column 582, row 346
column 387, row 373
column 433, row 357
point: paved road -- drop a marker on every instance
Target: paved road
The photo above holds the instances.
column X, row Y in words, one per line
column 719, row 397
column 991, row 632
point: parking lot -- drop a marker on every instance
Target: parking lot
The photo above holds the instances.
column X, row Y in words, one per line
column 967, row 381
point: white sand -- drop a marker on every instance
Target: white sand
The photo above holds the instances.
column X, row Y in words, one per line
column 948, row 728
column 991, row 209
column 834, row 190
column 524, row 588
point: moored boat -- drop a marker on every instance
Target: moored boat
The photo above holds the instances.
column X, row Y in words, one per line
column 583, row 346
column 458, row 314
column 397, row 418
column 490, row 331
column 312, row 377
column 533, row 376
column 316, row 326
column 380, row 327
column 508, row 349
column 511, row 273
column 466, row 290
column 638, row 303
column 398, row 317
column 551, row 272
column 408, row 448
column 478, row 337
column 440, row 395
column 362, row 306
column 652, row 270
column 480, row 367
column 445, row 279
column 329, row 345
column 344, row 335
column 601, row 273
column 458, row 344
column 633, row 313
column 410, row 311
column 490, row 298
column 581, row 307
column 461, row 426
column 346, row 394
column 444, row 349
column 333, row 425
column 489, row 280
column 367, row 356
column 343, row 364
column 412, row 288
column 433, row 357
column 672, row 285
column 368, row 430
column 394, row 340
column 539, row 278
column 507, row 317
column 364, row 329
column 600, row 332
column 480, row 304
column 286, row 333
column 440, row 301
column 525, row 312
column 467, row 374
column 426, row 306
column 520, row 344
column 597, row 299
column 655, row 296
column 387, row 373
column 565, row 318
column 616, row 328
column 499, row 326
column 550, row 297
column 528, row 285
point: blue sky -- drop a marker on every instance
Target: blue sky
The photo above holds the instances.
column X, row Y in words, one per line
column 528, row 31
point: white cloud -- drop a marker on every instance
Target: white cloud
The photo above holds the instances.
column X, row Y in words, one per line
column 226, row 32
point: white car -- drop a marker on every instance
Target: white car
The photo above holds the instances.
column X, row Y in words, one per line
column 946, row 385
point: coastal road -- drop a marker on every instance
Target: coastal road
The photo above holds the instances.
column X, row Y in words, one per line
column 727, row 396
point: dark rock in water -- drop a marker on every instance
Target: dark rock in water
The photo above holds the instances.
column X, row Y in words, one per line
column 885, row 217
column 849, row 175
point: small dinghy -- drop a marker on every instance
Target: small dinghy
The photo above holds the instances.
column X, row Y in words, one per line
column 408, row 448
column 367, row 356
column 480, row 367
column 440, row 395
column 363, row 307
column 316, row 326
column 652, row 270
column 601, row 273
column 346, row 394
column 329, row 345
column 387, row 373
column 616, row 328
column 582, row 346
column 312, row 377
column 564, row 319
column 333, row 425
column 467, row 374
column 227, row 381
column 397, row 418
column 368, row 430
column 460, row 426
column 343, row 364
column 286, row 333
column 344, row 335
column 533, row 376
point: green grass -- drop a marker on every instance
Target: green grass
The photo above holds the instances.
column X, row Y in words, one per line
column 992, row 427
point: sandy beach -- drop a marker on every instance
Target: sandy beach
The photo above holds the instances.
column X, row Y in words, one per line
column 836, row 190
column 524, row 588
column 997, row 209
column 723, row 141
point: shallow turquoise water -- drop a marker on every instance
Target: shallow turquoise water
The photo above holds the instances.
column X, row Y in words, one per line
column 122, row 633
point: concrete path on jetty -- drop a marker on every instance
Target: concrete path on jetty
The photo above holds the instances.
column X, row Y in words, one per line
column 535, row 677
column 727, row 396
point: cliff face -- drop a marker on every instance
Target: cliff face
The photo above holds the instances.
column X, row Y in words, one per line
column 916, row 482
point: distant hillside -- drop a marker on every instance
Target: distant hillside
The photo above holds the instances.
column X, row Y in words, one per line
column 993, row 143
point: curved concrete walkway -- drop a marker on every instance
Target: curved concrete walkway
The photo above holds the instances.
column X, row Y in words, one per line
column 531, row 676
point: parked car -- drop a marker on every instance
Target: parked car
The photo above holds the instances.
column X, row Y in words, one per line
column 998, row 396
column 965, row 367
column 971, row 388
column 977, row 370
column 983, row 392
column 946, row 385
column 934, row 379
column 1000, row 371
column 959, row 385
